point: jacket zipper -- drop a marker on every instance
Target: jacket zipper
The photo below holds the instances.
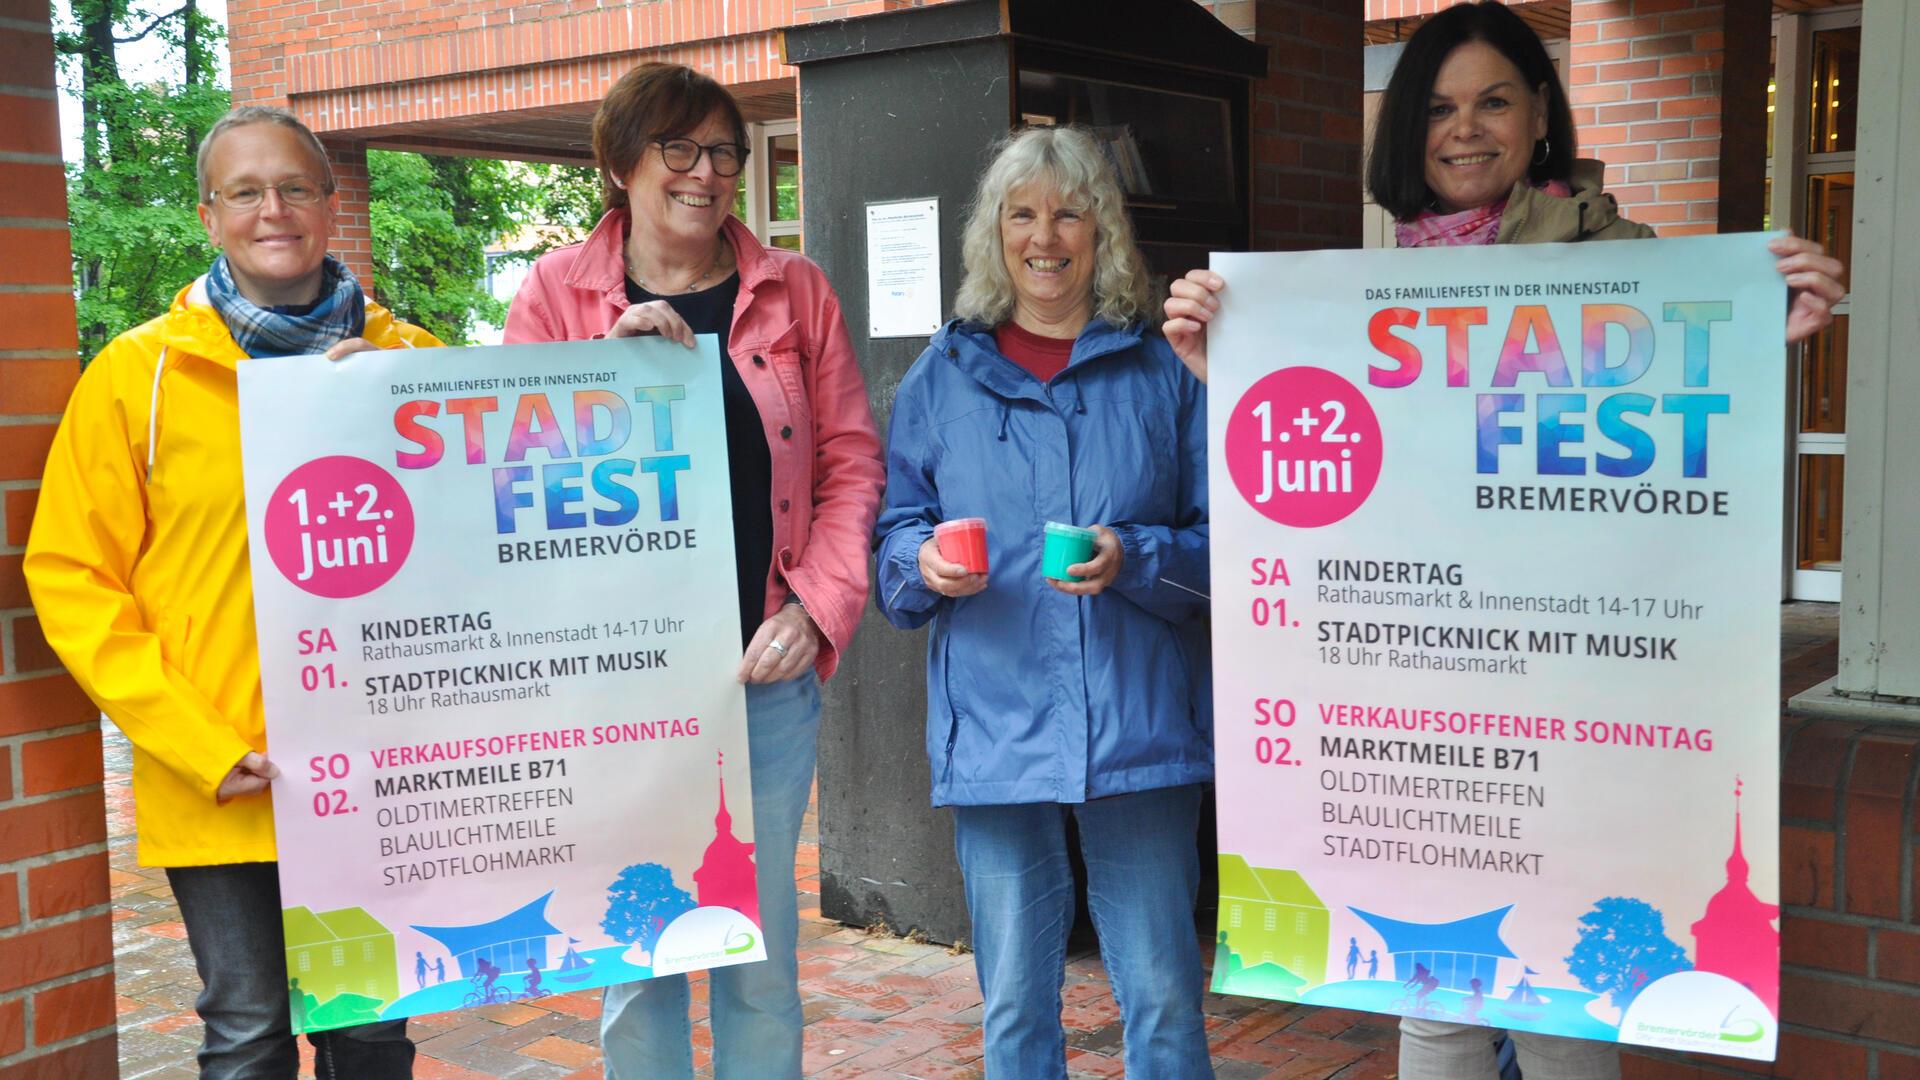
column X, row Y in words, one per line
column 953, row 728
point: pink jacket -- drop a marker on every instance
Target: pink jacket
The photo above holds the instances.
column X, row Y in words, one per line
column 791, row 347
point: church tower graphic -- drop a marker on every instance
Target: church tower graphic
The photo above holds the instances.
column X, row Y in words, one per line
column 725, row 876
column 1736, row 937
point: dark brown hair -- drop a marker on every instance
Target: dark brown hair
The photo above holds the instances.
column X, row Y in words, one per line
column 653, row 101
column 1396, row 163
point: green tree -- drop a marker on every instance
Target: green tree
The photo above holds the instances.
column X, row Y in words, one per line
column 136, row 238
column 433, row 219
column 564, row 195
column 132, row 198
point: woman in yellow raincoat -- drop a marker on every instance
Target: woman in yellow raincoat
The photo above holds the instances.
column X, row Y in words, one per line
column 138, row 568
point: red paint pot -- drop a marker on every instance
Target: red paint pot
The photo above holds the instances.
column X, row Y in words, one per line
column 964, row 541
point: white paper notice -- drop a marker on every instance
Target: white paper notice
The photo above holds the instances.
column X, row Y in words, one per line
column 903, row 268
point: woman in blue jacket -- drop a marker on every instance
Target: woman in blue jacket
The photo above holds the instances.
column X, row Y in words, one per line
column 1049, row 400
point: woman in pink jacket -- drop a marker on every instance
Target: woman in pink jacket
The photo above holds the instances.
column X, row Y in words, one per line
column 669, row 259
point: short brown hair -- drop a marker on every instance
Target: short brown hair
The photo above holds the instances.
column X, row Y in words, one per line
column 261, row 114
column 653, row 101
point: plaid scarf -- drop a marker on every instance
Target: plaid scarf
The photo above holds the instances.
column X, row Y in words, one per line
column 1480, row 225
column 291, row 329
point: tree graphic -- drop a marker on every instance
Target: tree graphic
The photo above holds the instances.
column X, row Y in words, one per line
column 1623, row 948
column 640, row 904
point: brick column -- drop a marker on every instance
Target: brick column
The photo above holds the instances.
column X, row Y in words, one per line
column 1306, row 124
column 56, row 939
column 353, row 230
column 1849, row 925
column 1664, row 91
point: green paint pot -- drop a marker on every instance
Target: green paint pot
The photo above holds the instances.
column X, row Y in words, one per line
column 1066, row 545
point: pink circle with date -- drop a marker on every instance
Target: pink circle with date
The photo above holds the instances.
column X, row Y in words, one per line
column 339, row 527
column 1304, row 447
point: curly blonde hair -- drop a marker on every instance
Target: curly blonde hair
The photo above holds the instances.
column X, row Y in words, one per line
column 1070, row 160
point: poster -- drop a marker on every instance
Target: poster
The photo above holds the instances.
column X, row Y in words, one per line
column 1496, row 567
column 903, row 268
column 495, row 597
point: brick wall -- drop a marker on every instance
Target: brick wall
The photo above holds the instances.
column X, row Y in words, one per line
column 1306, row 124
column 1403, row 9
column 1850, row 899
column 1645, row 82
column 56, row 942
column 492, row 54
column 352, row 229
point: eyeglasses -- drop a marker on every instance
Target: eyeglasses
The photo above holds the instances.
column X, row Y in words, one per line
column 681, row 155
column 299, row 191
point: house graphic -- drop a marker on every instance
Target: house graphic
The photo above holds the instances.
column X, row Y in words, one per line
column 1456, row 952
column 1273, row 917
column 340, row 952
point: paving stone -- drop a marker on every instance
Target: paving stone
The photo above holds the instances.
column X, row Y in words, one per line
column 584, row 1004
column 426, row 1068
column 531, row 1031
column 559, row 1051
column 932, row 1068
column 1090, row 1066
column 473, row 1031
column 489, row 1061
column 1105, row 1040
column 1379, row 1065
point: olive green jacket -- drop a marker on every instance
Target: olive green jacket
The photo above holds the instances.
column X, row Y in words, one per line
column 1536, row 217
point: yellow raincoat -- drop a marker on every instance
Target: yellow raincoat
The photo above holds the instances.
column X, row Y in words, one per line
column 138, row 569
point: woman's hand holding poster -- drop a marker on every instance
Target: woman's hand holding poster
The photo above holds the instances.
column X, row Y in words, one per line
column 494, row 590
column 1496, row 558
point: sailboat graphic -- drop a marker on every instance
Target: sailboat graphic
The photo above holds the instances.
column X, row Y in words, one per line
column 573, row 967
column 1524, row 1003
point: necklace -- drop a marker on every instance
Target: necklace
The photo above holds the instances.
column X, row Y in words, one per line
column 720, row 260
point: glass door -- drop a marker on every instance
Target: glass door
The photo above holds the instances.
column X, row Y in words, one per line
column 1815, row 96
column 769, row 200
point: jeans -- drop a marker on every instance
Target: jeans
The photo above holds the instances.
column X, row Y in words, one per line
column 1439, row 1050
column 645, row 1033
column 232, row 913
column 1143, row 873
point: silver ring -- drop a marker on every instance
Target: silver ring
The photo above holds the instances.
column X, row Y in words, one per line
column 777, row 647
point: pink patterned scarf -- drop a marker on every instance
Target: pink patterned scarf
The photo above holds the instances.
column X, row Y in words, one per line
column 1466, row 228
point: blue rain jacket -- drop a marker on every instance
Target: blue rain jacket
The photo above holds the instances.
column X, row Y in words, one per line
column 1034, row 695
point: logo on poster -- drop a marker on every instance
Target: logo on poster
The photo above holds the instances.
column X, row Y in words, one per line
column 1304, row 447
column 1699, row 1010
column 706, row 937
column 339, row 527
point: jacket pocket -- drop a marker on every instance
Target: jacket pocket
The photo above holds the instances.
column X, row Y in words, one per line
column 1189, row 687
column 953, row 706
column 789, row 367
column 793, row 433
column 1134, row 444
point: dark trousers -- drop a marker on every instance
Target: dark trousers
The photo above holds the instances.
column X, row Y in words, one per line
column 232, row 914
